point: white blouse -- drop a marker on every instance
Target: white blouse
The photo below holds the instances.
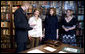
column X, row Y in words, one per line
column 37, row 28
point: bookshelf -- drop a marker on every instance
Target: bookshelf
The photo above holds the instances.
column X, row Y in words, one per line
column 80, row 27
column 7, row 18
column 5, row 24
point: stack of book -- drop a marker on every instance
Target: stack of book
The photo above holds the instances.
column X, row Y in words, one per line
column 5, row 45
column 5, row 16
column 6, row 32
column 17, row 2
column 5, row 2
column 80, row 3
column 5, row 9
column 80, row 17
column 81, row 11
column 5, row 24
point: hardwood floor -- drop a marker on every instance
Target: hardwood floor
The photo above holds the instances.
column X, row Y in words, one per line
column 8, row 50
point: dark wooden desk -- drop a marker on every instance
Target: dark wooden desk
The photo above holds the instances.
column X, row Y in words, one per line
column 59, row 48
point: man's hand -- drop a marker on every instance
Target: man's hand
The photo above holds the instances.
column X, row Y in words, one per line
column 40, row 38
column 43, row 35
column 57, row 36
column 30, row 38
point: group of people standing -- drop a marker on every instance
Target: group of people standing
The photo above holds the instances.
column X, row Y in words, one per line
column 31, row 30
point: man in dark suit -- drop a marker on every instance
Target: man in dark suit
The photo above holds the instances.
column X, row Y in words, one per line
column 21, row 27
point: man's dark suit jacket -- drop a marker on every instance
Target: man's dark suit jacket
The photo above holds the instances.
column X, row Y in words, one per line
column 21, row 26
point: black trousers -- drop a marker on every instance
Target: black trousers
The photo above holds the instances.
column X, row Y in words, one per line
column 21, row 47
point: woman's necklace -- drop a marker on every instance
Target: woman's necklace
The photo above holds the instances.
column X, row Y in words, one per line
column 68, row 19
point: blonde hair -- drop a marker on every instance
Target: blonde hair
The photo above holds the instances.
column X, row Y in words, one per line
column 37, row 9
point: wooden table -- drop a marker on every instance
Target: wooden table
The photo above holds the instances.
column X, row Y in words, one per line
column 59, row 48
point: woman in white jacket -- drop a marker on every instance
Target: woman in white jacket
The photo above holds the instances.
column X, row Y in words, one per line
column 35, row 35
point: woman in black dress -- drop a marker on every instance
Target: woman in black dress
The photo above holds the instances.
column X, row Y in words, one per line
column 51, row 25
column 69, row 25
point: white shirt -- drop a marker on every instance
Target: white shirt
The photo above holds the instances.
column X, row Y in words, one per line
column 37, row 29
